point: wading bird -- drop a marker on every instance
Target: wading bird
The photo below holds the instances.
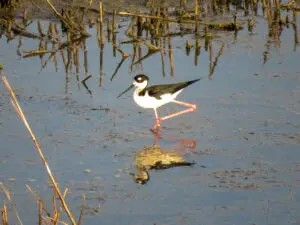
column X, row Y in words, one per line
column 155, row 96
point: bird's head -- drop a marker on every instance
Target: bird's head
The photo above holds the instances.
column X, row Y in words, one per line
column 140, row 81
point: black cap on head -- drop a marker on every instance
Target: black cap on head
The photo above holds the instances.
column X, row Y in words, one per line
column 140, row 78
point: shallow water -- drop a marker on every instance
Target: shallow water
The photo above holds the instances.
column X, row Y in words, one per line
column 246, row 129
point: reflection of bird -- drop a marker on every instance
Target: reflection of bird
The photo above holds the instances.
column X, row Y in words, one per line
column 158, row 95
column 153, row 157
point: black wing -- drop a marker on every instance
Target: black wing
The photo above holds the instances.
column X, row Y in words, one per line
column 159, row 90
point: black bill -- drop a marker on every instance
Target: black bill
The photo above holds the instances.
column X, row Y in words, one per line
column 131, row 86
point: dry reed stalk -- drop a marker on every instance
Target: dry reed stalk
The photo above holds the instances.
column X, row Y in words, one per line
column 128, row 31
column 9, row 29
column 68, row 22
column 134, row 48
column 76, row 59
column 211, row 55
column 140, row 54
column 215, row 25
column 100, row 12
column 4, row 216
column 150, row 46
column 37, row 198
column 81, row 211
column 124, row 54
column 114, row 20
column 65, row 192
column 50, row 30
column 158, row 22
column 295, row 27
column 108, row 29
column 276, row 4
column 40, row 29
column 31, row 53
column 196, row 8
column 216, row 60
column 101, row 65
column 85, row 57
column 60, row 45
column 162, row 57
column 170, row 50
column 45, row 218
column 56, row 12
column 40, row 212
column 114, row 40
column 7, row 194
column 197, row 51
column 85, row 11
column 19, row 110
column 295, row 16
column 188, row 47
column 101, row 22
column 118, row 67
column 55, row 213
column 54, row 57
column 102, row 36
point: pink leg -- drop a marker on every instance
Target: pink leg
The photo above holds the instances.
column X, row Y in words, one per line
column 158, row 120
column 185, row 104
column 192, row 108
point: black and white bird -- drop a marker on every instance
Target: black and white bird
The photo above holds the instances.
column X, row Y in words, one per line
column 158, row 95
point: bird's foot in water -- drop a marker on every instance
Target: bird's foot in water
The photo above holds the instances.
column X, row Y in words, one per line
column 155, row 128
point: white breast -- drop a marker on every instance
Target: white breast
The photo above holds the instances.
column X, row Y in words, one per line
column 147, row 101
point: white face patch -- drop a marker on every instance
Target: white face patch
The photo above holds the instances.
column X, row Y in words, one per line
column 140, row 85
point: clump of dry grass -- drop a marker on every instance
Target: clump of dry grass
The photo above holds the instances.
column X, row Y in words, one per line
column 56, row 189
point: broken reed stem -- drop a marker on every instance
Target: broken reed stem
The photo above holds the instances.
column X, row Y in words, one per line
column 128, row 31
column 81, row 211
column 101, row 12
column 40, row 212
column 124, row 54
column 216, row 60
column 85, row 11
column 7, row 194
column 214, row 25
column 170, row 52
column 54, row 9
column 51, row 220
column 19, row 110
column 40, row 29
column 149, row 45
column 4, row 215
column 114, row 27
column 54, row 208
column 37, row 198
column 196, row 8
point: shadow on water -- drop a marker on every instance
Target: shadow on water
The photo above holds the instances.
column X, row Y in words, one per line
column 243, row 137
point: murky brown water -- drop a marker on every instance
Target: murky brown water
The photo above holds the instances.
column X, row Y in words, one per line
column 243, row 139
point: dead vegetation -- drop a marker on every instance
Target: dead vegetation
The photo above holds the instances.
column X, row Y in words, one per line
column 153, row 31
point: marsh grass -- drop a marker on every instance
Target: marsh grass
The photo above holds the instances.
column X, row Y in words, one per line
column 153, row 30
column 56, row 189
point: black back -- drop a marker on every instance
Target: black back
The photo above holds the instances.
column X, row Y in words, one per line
column 158, row 90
